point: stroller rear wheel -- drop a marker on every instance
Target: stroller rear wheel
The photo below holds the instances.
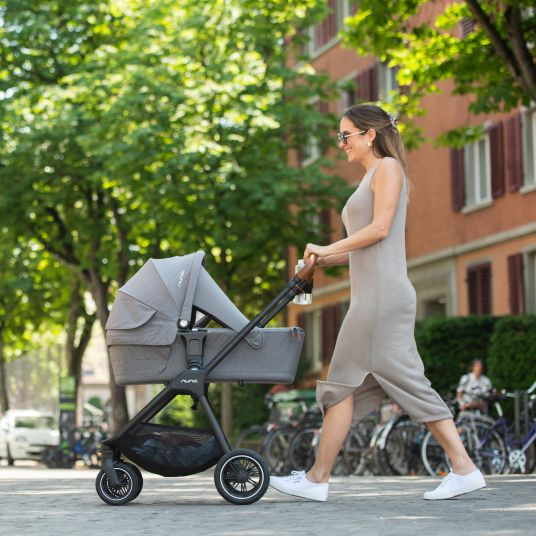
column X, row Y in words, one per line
column 129, row 487
column 241, row 476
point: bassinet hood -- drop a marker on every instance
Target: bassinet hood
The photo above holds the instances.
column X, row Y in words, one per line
column 172, row 287
column 167, row 285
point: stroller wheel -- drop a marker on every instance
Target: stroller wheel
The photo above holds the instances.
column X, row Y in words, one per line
column 128, row 490
column 241, row 476
column 140, row 479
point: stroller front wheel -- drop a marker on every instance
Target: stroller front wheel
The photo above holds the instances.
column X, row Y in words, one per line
column 128, row 490
column 241, row 476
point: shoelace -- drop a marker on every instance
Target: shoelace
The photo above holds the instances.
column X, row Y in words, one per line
column 294, row 475
column 446, row 479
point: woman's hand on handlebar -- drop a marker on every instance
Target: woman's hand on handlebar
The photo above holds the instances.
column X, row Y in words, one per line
column 315, row 251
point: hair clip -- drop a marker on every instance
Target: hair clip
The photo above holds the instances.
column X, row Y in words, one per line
column 394, row 120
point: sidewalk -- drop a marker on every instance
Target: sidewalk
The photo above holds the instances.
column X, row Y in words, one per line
column 61, row 502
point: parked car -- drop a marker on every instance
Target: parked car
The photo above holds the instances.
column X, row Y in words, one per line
column 25, row 433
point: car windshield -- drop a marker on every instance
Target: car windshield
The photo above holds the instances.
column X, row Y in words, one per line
column 40, row 422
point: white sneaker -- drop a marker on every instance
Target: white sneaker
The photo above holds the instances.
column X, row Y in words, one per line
column 297, row 484
column 453, row 485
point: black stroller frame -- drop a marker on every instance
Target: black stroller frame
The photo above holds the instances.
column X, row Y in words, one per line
column 241, row 476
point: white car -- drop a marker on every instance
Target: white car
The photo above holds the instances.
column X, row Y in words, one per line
column 25, row 433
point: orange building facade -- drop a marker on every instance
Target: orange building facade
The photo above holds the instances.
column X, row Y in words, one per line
column 471, row 223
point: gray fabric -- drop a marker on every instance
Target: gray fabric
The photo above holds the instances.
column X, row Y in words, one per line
column 210, row 298
column 377, row 335
column 275, row 361
column 170, row 288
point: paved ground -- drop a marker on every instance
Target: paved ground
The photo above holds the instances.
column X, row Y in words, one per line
column 60, row 502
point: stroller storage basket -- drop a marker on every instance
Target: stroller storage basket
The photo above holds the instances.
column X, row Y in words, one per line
column 171, row 450
column 274, row 361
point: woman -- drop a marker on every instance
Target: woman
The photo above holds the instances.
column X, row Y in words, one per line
column 375, row 352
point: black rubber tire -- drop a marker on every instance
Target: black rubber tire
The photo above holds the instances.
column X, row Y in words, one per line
column 248, row 463
column 140, row 478
column 130, row 485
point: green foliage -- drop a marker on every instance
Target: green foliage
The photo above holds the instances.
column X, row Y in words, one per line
column 495, row 63
column 248, row 408
column 165, row 131
column 447, row 346
column 512, row 355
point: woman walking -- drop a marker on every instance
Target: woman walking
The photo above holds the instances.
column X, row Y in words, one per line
column 375, row 352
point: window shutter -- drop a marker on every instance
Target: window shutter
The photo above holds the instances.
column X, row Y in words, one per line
column 514, row 153
column 327, row 29
column 331, row 322
column 516, row 284
column 323, row 107
column 496, row 149
column 367, row 84
column 479, row 289
column 344, row 101
column 327, row 334
column 468, row 26
column 457, row 179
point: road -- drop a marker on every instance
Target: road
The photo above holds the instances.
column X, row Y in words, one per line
column 42, row 502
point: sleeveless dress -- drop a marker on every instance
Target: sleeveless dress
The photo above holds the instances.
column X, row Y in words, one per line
column 375, row 352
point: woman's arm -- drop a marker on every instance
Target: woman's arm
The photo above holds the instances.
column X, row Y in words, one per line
column 341, row 259
column 388, row 181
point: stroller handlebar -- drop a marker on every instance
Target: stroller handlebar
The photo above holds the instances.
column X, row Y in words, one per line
column 307, row 272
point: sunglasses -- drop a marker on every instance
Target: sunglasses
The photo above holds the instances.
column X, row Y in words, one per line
column 343, row 136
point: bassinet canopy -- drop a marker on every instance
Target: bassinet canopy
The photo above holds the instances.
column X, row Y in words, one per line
column 163, row 294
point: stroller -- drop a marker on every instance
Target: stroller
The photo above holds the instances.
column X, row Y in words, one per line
column 154, row 335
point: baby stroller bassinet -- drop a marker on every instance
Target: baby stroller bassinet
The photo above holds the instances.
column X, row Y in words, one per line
column 154, row 335
column 142, row 332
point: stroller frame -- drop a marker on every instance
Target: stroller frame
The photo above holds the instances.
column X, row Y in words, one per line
column 193, row 382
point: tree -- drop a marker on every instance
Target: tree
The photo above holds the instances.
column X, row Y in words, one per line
column 490, row 57
column 165, row 131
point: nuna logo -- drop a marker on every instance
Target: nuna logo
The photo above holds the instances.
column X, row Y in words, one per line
column 180, row 279
column 189, row 381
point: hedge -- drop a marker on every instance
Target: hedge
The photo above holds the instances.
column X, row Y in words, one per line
column 448, row 344
column 512, row 354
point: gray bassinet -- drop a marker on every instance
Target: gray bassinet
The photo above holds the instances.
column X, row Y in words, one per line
column 143, row 336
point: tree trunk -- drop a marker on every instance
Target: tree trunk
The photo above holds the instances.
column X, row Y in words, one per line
column 75, row 349
column 4, row 398
column 99, row 291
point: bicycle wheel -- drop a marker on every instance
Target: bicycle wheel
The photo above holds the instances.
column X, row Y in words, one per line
column 276, row 450
column 302, row 449
column 251, row 438
column 434, row 458
column 485, row 446
column 354, row 453
column 402, row 447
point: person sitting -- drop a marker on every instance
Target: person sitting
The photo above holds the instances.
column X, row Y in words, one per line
column 473, row 388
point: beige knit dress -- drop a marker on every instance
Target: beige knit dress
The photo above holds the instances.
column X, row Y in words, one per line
column 375, row 352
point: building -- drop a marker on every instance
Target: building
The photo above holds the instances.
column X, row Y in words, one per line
column 471, row 224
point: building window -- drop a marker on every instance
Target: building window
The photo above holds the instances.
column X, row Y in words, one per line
column 516, row 284
column 479, row 289
column 321, row 35
column 477, row 173
column 529, row 148
column 387, row 81
column 321, row 328
column 311, row 150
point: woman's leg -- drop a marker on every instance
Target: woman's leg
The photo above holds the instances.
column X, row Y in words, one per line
column 335, row 428
column 448, row 437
